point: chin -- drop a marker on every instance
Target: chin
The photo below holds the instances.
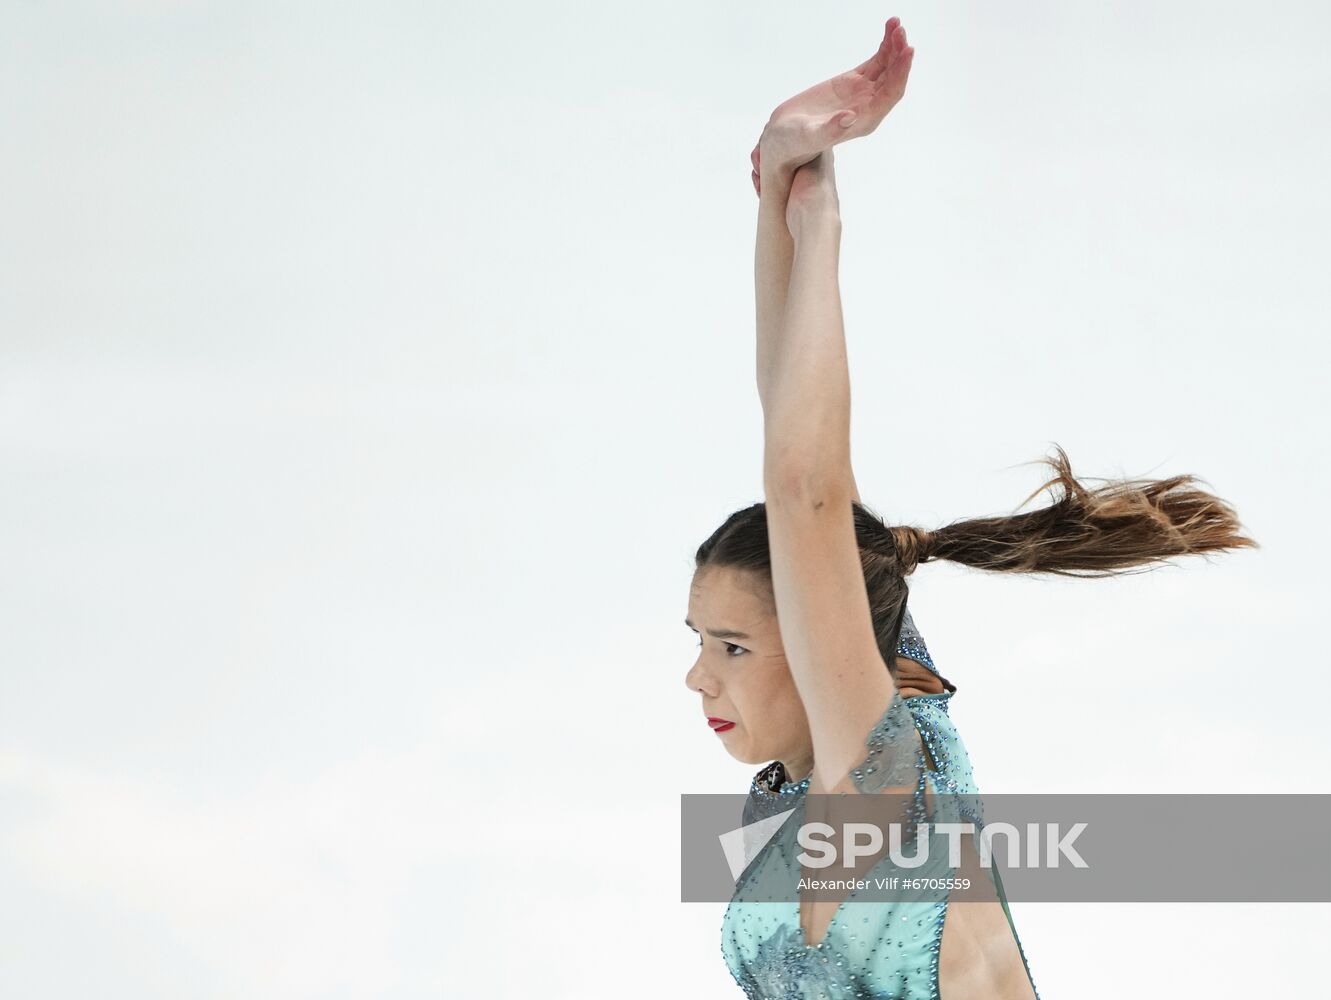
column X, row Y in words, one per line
column 745, row 755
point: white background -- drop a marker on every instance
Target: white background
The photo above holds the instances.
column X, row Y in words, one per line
column 369, row 374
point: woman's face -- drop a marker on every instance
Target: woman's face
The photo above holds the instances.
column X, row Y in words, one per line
column 741, row 672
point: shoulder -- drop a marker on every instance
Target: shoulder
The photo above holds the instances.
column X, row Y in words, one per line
column 913, row 661
column 912, row 678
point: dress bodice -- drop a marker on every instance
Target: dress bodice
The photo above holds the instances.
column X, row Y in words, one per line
column 872, row 949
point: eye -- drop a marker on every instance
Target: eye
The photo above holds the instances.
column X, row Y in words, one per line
column 729, row 646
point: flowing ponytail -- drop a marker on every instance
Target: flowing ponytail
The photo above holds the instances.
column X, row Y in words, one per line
column 1105, row 531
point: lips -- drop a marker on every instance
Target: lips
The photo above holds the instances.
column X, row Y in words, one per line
column 719, row 725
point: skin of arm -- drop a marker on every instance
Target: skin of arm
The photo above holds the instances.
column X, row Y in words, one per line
column 818, row 583
column 775, row 249
column 773, row 258
column 846, row 106
column 806, row 413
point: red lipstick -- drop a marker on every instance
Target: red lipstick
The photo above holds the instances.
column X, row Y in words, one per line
column 719, row 725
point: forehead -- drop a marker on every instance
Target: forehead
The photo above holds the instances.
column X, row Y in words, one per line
column 722, row 595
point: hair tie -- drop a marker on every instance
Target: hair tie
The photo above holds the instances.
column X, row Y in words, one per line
column 912, row 544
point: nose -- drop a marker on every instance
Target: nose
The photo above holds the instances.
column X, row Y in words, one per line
column 697, row 679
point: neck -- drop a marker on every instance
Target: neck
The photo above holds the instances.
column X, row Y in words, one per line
column 798, row 766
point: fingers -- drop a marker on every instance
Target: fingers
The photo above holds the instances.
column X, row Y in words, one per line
column 890, row 80
column 890, row 49
column 903, row 49
column 890, row 32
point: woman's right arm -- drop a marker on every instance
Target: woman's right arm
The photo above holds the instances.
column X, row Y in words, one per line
column 774, row 250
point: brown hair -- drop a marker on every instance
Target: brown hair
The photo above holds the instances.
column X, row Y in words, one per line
column 1110, row 530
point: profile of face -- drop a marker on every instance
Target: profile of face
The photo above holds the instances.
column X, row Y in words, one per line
column 741, row 671
column 744, row 677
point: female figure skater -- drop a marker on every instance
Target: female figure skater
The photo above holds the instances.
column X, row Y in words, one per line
column 809, row 659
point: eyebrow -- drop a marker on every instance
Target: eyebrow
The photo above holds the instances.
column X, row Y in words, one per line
column 719, row 633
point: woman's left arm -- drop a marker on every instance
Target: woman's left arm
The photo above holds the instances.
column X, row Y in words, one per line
column 818, row 583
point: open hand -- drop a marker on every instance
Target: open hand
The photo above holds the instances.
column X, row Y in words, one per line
column 845, row 107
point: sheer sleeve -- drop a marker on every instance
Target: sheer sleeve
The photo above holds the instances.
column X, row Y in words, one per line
column 896, row 752
column 896, row 763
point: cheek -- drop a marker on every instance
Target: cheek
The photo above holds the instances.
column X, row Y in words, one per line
column 766, row 701
column 788, row 713
column 773, row 712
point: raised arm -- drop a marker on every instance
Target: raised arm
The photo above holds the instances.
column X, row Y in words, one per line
column 773, row 254
column 818, row 584
column 846, row 106
column 804, row 385
column 804, row 381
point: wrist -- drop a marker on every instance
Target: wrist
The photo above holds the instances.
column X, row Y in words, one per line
column 814, row 222
column 775, row 183
column 822, row 214
column 772, row 162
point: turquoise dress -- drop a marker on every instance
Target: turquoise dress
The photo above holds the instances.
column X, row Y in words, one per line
column 872, row 949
